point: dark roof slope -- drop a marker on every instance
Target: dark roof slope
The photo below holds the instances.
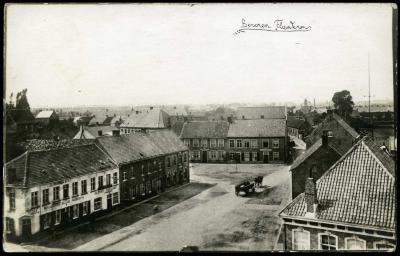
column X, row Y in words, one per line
column 294, row 122
column 42, row 167
column 133, row 147
column 258, row 128
column 177, row 127
column 205, row 129
column 357, row 189
column 41, row 145
column 257, row 112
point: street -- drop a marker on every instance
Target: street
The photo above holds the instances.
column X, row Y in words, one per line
column 215, row 219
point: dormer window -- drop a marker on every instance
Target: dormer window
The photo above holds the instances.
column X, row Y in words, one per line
column 330, row 134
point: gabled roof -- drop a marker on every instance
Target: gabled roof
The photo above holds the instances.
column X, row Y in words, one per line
column 177, row 127
column 133, row 147
column 257, row 112
column 45, row 114
column 108, row 119
column 205, row 129
column 42, row 167
column 358, row 189
column 97, row 119
column 309, row 152
column 154, row 118
column 175, row 111
column 294, row 122
column 258, row 128
column 92, row 132
column 317, row 132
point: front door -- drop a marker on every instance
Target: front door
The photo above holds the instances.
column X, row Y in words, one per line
column 204, row 156
column 266, row 157
column 26, row 229
column 238, row 157
column 109, row 202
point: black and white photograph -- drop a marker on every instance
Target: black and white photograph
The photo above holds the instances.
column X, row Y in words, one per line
column 199, row 127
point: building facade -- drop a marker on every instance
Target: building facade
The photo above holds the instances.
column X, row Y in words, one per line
column 258, row 140
column 148, row 163
column 49, row 190
column 351, row 207
column 206, row 140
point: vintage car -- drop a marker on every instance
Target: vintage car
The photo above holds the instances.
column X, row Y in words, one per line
column 245, row 188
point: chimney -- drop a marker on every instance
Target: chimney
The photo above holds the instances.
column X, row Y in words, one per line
column 137, row 112
column 311, row 194
column 230, row 119
column 100, row 132
column 115, row 133
column 151, row 107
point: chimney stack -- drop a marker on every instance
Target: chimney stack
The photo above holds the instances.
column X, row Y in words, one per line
column 100, row 132
column 311, row 194
column 151, row 108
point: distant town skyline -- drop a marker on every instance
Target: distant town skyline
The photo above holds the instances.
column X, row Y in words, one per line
column 170, row 54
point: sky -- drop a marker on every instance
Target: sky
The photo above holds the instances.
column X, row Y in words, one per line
column 134, row 54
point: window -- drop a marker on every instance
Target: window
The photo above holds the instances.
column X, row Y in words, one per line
column 246, row 156
column 275, row 144
column 184, row 158
column 231, row 143
column 45, row 196
column 275, row 155
column 9, row 225
column 141, row 189
column 46, row 221
column 11, row 197
column 115, row 198
column 97, row 203
column 85, row 208
column 265, row 144
column 142, row 169
column 174, row 160
column 231, row 156
column 327, row 241
column 75, row 212
column 75, row 189
column 34, row 199
column 196, row 143
column 186, row 142
column 115, row 178
column 254, row 143
column 56, row 193
column 204, row 143
column 108, row 179
column 355, row 243
column 124, row 176
column 65, row 191
column 300, row 239
column 262, row 116
column 196, row 155
column 83, row 187
column 101, row 184
column 57, row 219
column 132, row 172
column 238, row 143
column 255, row 156
column 213, row 143
column 93, row 184
column 221, row 143
column 246, row 143
column 213, row 155
column 221, row 155
column 383, row 245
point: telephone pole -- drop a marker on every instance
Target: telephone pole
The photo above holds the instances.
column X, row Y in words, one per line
column 369, row 101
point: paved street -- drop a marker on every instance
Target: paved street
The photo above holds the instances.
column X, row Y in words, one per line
column 215, row 219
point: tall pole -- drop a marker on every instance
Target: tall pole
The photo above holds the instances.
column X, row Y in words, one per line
column 369, row 101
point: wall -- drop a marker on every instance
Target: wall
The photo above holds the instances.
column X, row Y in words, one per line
column 340, row 235
column 324, row 158
column 219, row 149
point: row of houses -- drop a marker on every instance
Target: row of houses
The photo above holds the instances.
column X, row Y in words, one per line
column 342, row 191
column 49, row 189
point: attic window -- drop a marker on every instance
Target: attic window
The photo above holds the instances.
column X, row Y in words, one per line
column 141, row 154
column 330, row 134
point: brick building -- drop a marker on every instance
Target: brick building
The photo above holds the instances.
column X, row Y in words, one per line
column 351, row 207
column 206, row 140
column 48, row 190
column 257, row 140
column 148, row 163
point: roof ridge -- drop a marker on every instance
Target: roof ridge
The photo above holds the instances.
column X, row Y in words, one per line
column 345, row 155
column 61, row 148
column 377, row 159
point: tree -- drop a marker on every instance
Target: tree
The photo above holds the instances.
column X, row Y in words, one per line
column 22, row 100
column 343, row 103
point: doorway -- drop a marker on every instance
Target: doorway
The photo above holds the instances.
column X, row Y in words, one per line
column 204, row 156
column 266, row 157
column 26, row 229
column 109, row 202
